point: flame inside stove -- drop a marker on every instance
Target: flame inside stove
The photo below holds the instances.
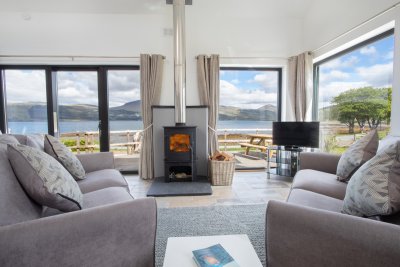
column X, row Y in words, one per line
column 179, row 143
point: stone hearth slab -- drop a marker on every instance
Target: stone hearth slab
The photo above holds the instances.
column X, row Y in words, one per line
column 159, row 188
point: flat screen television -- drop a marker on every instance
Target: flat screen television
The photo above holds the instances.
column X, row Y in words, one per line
column 295, row 134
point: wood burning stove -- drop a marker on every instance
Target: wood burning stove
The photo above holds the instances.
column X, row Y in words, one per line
column 180, row 153
column 180, row 140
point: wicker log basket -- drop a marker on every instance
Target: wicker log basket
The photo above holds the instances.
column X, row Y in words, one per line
column 222, row 168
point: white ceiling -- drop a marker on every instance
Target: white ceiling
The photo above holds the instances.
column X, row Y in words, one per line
column 291, row 8
column 254, row 28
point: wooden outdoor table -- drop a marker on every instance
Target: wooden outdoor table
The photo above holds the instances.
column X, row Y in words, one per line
column 258, row 141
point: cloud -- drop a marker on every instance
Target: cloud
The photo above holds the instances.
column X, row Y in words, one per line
column 73, row 87
column 124, row 87
column 332, row 89
column 268, row 80
column 338, row 63
column 25, row 86
column 389, row 55
column 81, row 87
column 124, row 80
column 368, row 50
column 235, row 81
column 77, row 87
column 379, row 75
column 230, row 95
column 333, row 75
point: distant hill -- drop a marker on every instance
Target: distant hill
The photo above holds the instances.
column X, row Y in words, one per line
column 265, row 113
column 27, row 112
column 133, row 106
column 127, row 111
column 38, row 111
column 78, row 112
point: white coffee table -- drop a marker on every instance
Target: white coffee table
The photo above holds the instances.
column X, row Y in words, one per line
column 179, row 249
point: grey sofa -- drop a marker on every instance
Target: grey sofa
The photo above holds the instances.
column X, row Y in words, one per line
column 112, row 229
column 310, row 230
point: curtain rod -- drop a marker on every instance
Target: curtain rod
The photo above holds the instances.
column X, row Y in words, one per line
column 71, row 57
column 224, row 57
column 358, row 26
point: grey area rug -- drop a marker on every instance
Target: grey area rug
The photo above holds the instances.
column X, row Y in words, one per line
column 159, row 188
column 216, row 220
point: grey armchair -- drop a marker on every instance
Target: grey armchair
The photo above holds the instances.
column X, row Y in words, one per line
column 309, row 229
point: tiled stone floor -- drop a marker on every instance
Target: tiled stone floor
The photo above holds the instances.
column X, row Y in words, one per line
column 247, row 188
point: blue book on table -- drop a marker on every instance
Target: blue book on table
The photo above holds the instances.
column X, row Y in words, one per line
column 214, row 256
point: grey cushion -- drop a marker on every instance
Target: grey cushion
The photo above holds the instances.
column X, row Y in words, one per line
column 59, row 151
column 15, row 204
column 375, row 187
column 314, row 200
column 44, row 179
column 105, row 196
column 8, row 139
column 32, row 140
column 320, row 182
column 97, row 198
column 102, row 179
column 356, row 155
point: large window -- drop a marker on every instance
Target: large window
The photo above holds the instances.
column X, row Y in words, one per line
column 26, row 101
column 124, row 111
column 353, row 91
column 91, row 108
column 249, row 103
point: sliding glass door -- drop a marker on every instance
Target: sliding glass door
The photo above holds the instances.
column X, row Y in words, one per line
column 90, row 108
column 78, row 109
column 124, row 115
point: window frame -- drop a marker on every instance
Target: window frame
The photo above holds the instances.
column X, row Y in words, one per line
column 316, row 66
column 51, row 94
column 279, row 91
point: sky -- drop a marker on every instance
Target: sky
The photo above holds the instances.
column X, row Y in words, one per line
column 371, row 65
column 78, row 87
column 248, row 88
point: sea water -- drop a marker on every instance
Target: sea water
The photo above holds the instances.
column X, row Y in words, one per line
column 85, row 126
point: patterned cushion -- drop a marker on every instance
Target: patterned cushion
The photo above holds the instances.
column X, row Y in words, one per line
column 44, row 179
column 59, row 151
column 356, row 155
column 375, row 188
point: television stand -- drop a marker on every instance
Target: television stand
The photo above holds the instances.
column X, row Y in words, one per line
column 293, row 148
column 285, row 160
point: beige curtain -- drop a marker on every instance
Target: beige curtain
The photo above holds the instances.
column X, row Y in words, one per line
column 300, row 89
column 208, row 83
column 151, row 70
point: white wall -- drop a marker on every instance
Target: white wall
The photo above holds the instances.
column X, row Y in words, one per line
column 253, row 37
